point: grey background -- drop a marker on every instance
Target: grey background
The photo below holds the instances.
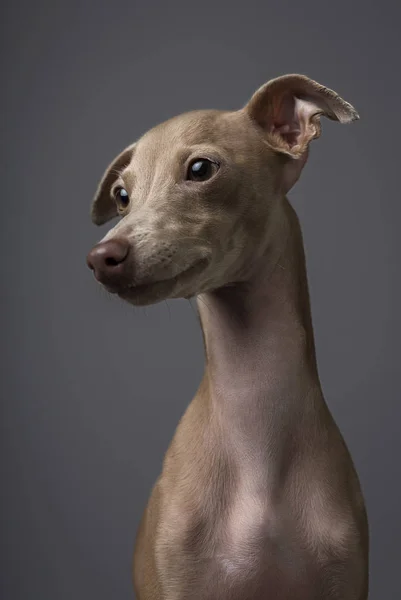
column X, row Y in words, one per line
column 92, row 389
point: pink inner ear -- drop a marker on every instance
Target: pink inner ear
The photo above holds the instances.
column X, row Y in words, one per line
column 290, row 132
column 292, row 120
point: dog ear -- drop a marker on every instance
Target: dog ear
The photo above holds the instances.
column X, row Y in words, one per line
column 103, row 207
column 288, row 110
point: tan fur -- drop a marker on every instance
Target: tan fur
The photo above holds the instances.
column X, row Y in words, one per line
column 258, row 496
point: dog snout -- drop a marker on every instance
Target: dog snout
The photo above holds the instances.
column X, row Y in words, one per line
column 108, row 260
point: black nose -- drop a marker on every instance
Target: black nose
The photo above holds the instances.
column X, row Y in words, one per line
column 107, row 259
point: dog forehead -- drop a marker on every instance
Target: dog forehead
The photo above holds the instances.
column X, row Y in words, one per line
column 198, row 126
column 160, row 148
column 202, row 127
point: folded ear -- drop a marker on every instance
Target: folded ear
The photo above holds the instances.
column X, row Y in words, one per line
column 103, row 207
column 288, row 110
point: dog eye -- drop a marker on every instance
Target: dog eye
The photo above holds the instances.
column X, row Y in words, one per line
column 122, row 198
column 201, row 169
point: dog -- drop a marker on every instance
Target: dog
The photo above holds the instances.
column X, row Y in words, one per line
column 258, row 497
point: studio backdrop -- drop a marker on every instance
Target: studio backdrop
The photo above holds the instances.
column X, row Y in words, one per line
column 91, row 388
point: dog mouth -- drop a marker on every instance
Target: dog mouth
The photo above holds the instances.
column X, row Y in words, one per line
column 153, row 291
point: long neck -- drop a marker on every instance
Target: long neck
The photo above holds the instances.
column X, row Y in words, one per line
column 260, row 355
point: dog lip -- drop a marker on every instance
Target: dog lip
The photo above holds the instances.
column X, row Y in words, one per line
column 110, row 286
column 112, row 289
column 136, row 289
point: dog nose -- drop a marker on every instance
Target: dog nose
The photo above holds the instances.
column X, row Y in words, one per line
column 107, row 259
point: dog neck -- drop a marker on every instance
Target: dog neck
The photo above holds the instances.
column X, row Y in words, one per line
column 260, row 357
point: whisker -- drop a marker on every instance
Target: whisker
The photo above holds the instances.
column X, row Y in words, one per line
column 202, row 300
column 168, row 307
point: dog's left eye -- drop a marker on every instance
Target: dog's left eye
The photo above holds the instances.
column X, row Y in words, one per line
column 201, row 169
column 122, row 198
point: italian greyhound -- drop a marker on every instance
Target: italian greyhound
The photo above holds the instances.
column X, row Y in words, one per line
column 258, row 497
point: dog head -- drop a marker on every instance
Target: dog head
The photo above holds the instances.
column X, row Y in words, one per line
column 196, row 195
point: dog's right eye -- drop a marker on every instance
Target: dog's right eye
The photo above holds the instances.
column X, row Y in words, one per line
column 201, row 169
column 122, row 198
